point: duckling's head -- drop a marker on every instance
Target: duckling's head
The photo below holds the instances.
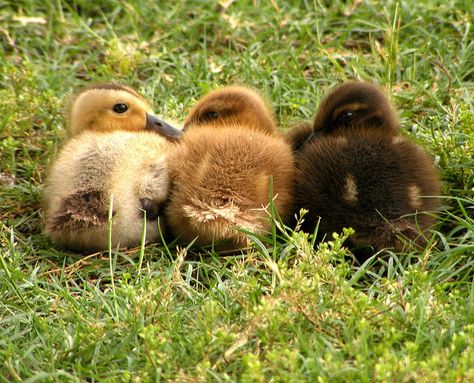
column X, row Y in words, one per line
column 109, row 107
column 355, row 103
column 233, row 105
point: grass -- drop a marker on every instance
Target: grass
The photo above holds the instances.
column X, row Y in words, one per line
column 281, row 311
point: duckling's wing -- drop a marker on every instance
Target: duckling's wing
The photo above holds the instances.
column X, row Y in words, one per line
column 82, row 210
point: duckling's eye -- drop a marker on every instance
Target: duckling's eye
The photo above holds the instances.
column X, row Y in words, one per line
column 344, row 117
column 212, row 114
column 120, row 108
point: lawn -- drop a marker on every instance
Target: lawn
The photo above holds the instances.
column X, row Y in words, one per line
column 280, row 311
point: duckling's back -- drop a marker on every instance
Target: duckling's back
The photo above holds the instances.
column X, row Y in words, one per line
column 89, row 170
column 221, row 182
column 369, row 181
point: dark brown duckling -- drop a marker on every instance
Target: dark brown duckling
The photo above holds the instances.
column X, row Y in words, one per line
column 222, row 169
column 359, row 172
column 298, row 135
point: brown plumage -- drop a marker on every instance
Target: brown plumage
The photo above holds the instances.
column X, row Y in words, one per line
column 298, row 135
column 356, row 103
column 107, row 157
column 222, row 168
column 351, row 104
column 359, row 172
column 232, row 106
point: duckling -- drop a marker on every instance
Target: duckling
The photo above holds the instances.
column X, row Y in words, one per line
column 223, row 167
column 358, row 172
column 117, row 107
column 108, row 161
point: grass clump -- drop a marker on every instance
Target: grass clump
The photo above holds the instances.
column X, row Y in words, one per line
column 281, row 311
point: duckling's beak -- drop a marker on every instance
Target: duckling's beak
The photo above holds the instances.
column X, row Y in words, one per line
column 186, row 125
column 163, row 128
column 313, row 135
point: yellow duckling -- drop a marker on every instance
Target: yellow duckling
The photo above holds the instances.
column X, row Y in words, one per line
column 110, row 160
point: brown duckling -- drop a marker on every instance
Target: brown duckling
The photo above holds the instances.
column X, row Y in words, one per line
column 107, row 107
column 109, row 162
column 222, row 169
column 358, row 172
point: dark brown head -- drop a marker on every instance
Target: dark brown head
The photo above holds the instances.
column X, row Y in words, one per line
column 108, row 107
column 233, row 105
column 355, row 103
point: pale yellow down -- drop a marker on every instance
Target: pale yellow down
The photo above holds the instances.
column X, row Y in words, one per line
column 108, row 155
column 125, row 165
